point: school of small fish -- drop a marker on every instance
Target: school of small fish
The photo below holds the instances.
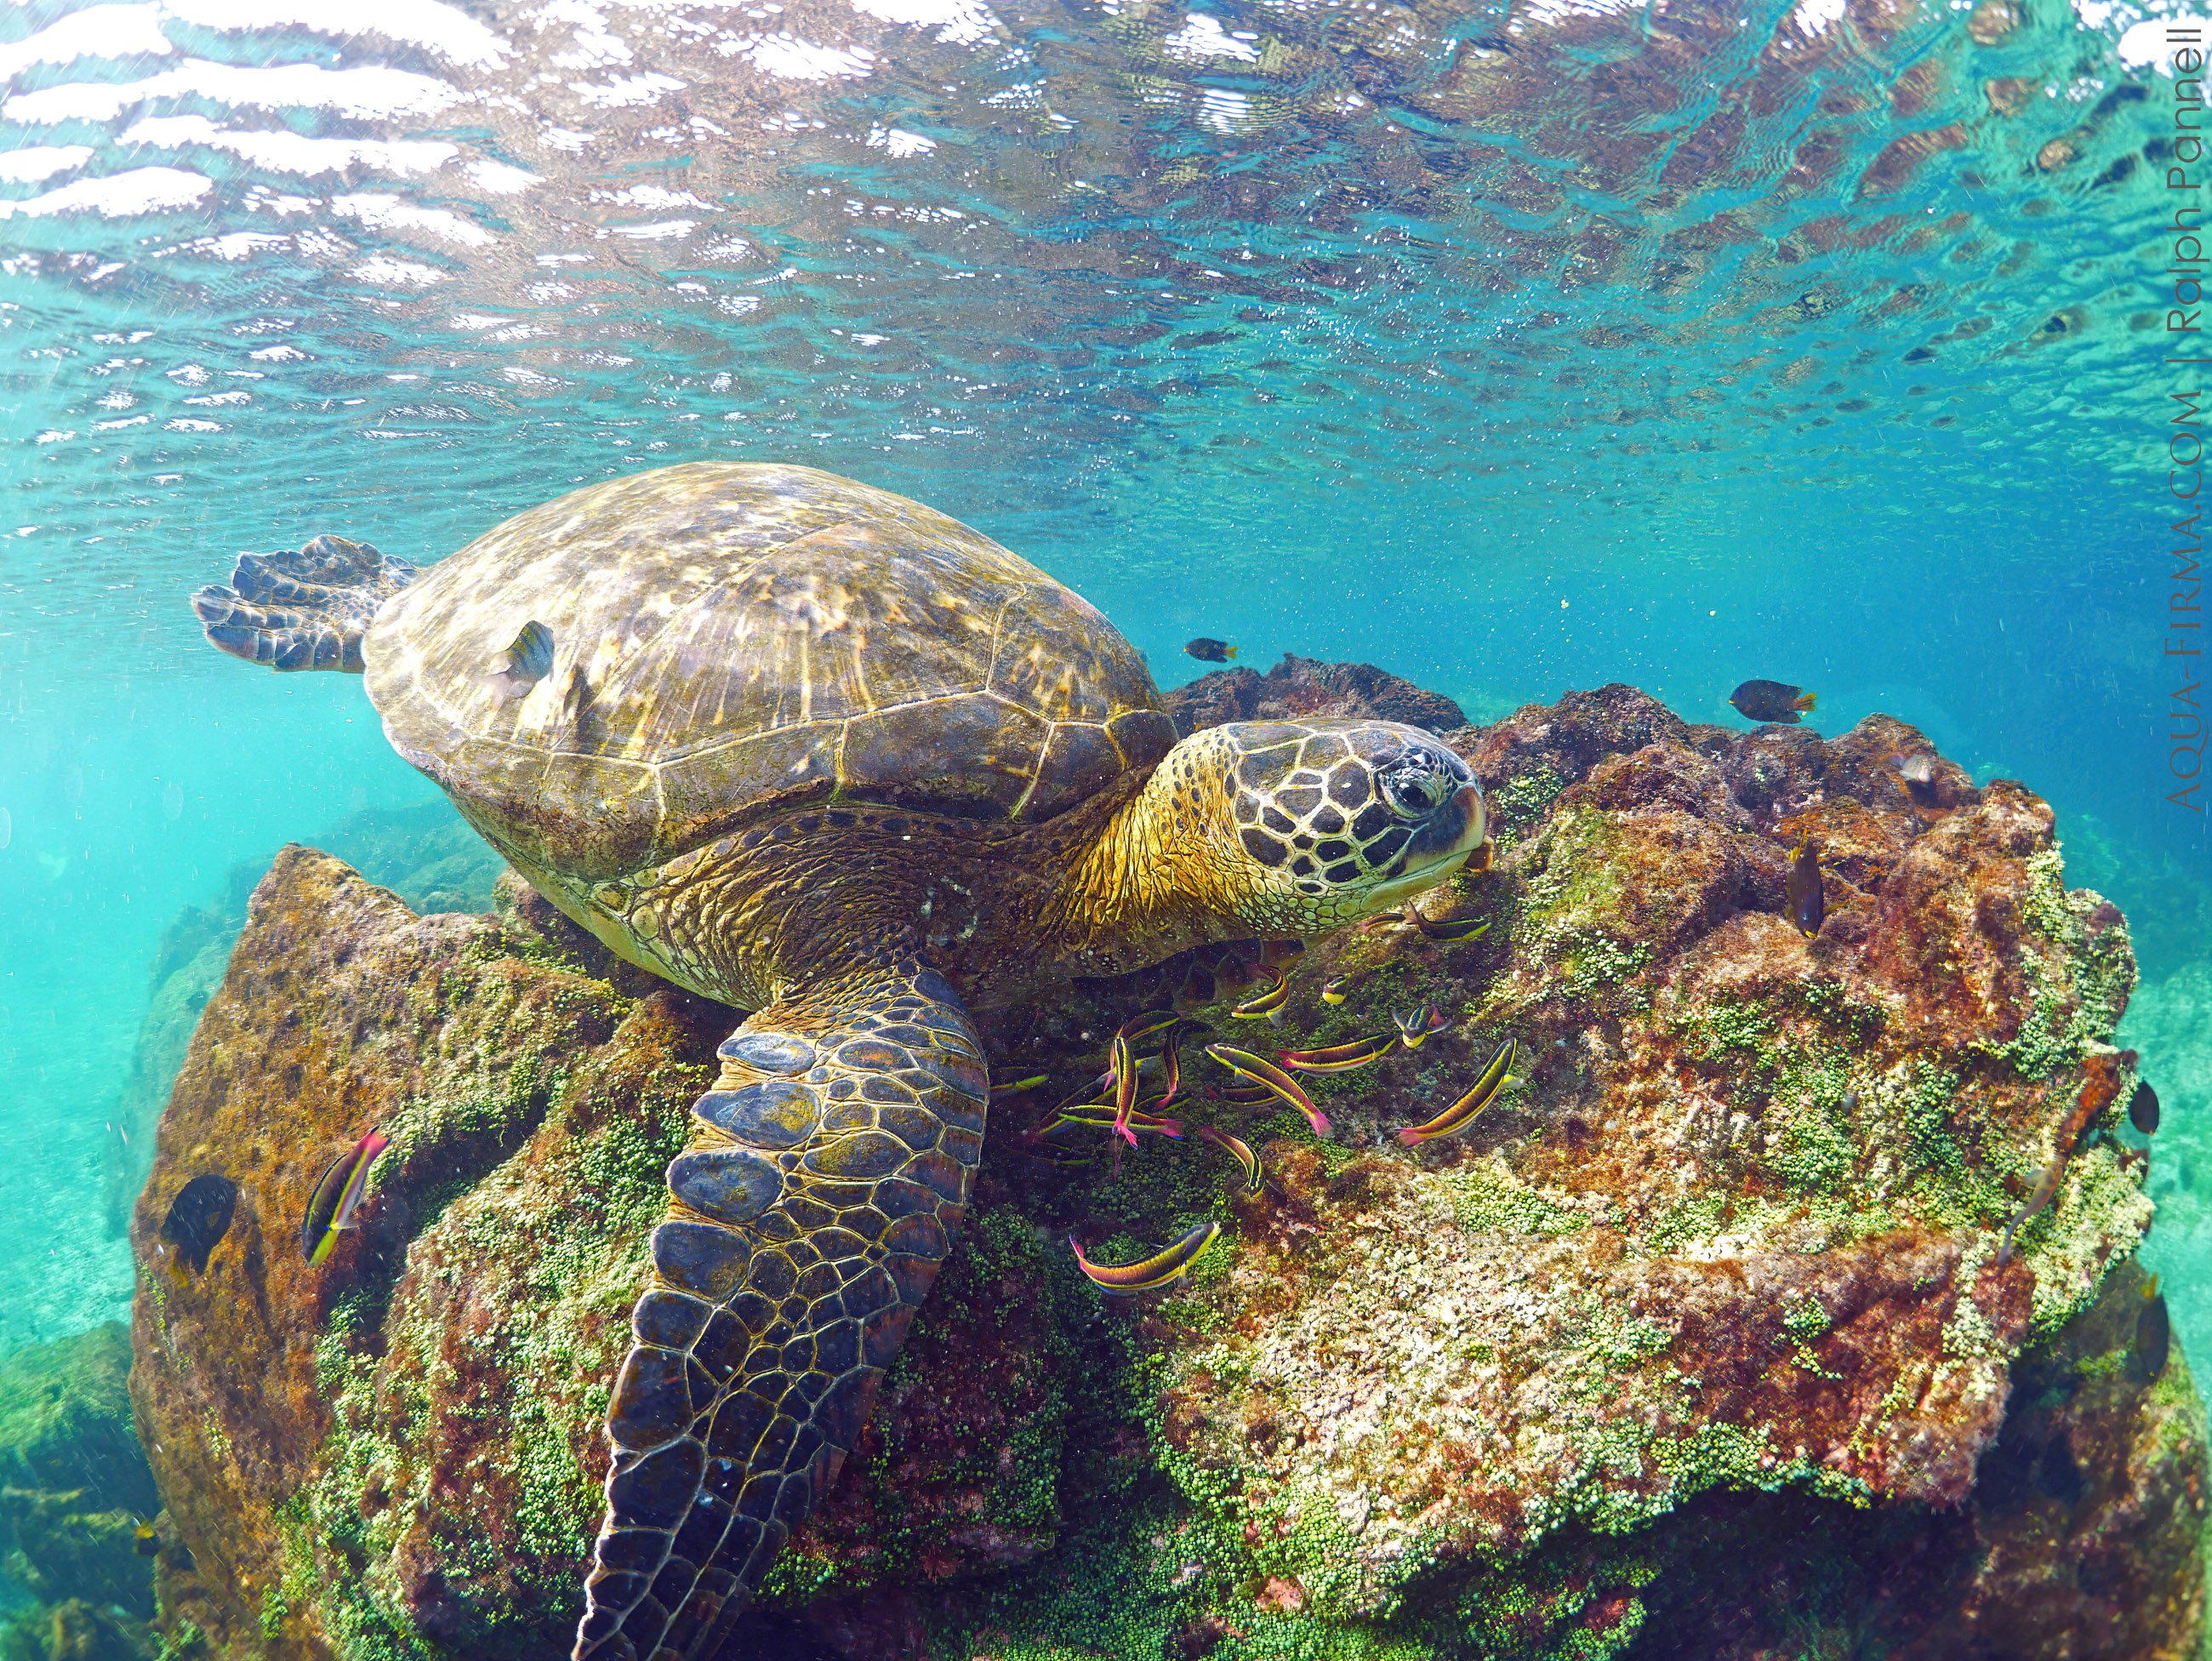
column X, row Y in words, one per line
column 1258, row 1080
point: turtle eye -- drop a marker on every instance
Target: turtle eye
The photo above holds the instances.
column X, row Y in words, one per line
column 1412, row 787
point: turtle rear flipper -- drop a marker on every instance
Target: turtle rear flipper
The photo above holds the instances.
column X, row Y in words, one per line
column 305, row 608
column 827, row 1170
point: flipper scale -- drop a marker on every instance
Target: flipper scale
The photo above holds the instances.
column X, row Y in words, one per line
column 827, row 1171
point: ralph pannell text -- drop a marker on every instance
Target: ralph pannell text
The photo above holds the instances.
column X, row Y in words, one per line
column 2185, row 446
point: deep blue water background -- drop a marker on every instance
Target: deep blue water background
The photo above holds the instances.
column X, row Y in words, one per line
column 1668, row 345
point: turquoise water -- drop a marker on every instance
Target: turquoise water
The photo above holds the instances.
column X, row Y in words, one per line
column 1513, row 350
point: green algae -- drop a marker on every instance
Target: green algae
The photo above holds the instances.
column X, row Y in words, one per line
column 1487, row 1198
column 1690, row 1220
column 2092, row 1222
column 1806, row 1320
column 1615, row 1337
column 1720, row 1026
column 1592, row 964
column 1573, row 886
column 1813, row 1141
column 1541, row 1611
column 1717, row 1454
column 2076, row 991
column 1521, row 802
column 554, row 1283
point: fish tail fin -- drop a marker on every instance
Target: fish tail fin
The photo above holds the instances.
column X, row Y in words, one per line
column 1228, row 651
column 1803, row 701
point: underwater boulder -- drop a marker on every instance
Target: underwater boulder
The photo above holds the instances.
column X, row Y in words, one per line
column 400, row 1451
column 1716, row 1284
column 65, row 1421
column 433, row 861
column 1301, row 686
column 78, row 1630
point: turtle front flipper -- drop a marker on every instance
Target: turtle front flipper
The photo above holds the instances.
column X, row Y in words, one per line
column 305, row 608
column 827, row 1169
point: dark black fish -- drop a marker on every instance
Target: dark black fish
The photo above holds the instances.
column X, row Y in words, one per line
column 1770, row 700
column 2142, row 1108
column 1210, row 651
column 1808, row 904
column 199, row 1218
column 2153, row 1338
column 147, row 1541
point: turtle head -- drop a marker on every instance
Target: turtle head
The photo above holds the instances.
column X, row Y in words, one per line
column 1311, row 824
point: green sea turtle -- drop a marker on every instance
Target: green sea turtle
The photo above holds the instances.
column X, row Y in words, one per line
column 818, row 751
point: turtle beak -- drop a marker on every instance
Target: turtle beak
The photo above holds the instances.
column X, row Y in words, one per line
column 1455, row 832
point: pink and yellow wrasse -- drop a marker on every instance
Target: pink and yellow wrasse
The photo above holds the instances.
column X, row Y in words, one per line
column 1001, row 1091
column 337, row 1196
column 1168, row 1064
column 1171, row 1032
column 1341, row 1057
column 1242, row 1095
column 1138, row 1028
column 1105, row 1080
column 1460, row 928
column 1256, row 1174
column 1336, row 991
column 1243, row 1062
column 1149, row 1274
column 1464, row 1112
column 1266, row 1006
column 1101, row 1116
column 1414, row 1029
column 1125, row 1086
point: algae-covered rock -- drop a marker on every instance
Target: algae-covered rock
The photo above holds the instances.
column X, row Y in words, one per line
column 76, row 1630
column 433, row 861
column 1301, row 686
column 65, row 1421
column 400, row 1448
column 1718, row 1273
column 1740, row 1227
column 2082, row 1536
column 399, row 1451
